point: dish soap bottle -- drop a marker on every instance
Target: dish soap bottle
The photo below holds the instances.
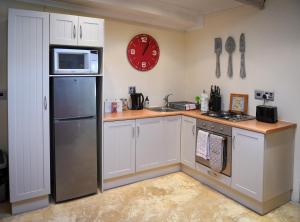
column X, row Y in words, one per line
column 146, row 103
column 204, row 102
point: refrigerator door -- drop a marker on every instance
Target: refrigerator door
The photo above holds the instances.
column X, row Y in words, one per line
column 74, row 97
column 75, row 158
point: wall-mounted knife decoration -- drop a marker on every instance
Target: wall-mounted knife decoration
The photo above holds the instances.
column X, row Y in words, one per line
column 230, row 47
column 218, row 51
column 242, row 50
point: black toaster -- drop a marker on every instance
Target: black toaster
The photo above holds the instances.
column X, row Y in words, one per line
column 267, row 114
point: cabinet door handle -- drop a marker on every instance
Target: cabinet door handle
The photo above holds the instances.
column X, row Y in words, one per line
column 80, row 32
column 74, row 32
column 45, row 103
column 138, row 131
column 133, row 132
column 233, row 142
column 194, row 129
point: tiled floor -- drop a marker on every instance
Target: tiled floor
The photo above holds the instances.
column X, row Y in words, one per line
column 175, row 197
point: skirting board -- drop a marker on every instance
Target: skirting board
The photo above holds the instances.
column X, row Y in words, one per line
column 120, row 181
column 29, row 205
column 259, row 207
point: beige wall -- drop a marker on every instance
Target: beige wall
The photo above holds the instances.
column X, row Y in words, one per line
column 272, row 59
column 166, row 77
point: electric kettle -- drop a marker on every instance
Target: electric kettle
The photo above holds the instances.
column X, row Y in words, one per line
column 137, row 101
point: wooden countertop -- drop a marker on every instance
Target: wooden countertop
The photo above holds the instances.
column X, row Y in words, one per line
column 252, row 125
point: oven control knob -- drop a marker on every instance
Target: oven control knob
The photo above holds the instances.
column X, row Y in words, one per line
column 221, row 129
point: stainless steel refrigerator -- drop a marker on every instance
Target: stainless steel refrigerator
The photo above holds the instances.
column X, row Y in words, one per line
column 74, row 137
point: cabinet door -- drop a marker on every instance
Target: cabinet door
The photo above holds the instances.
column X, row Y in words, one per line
column 119, row 148
column 172, row 126
column 63, row 29
column 91, row 32
column 188, row 141
column 28, row 113
column 149, row 143
column 247, row 162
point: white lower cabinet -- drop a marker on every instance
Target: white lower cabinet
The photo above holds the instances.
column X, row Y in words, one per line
column 138, row 145
column 149, row 143
column 119, row 148
column 188, row 141
column 172, row 128
column 248, row 163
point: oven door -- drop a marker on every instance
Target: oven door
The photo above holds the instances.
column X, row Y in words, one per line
column 227, row 154
column 71, row 61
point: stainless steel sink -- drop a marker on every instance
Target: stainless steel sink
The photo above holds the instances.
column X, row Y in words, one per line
column 162, row 109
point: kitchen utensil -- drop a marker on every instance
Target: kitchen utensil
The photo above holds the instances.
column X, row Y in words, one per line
column 230, row 47
column 242, row 50
column 218, row 51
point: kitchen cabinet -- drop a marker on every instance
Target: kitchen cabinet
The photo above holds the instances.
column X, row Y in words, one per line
column 119, row 148
column 63, row 29
column 248, row 163
column 188, row 141
column 149, row 143
column 171, row 132
column 76, row 30
column 90, row 31
column 28, row 109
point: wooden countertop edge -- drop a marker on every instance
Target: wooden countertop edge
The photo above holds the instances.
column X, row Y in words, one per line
column 141, row 114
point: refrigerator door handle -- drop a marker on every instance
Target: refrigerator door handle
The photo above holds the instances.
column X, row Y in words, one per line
column 45, row 103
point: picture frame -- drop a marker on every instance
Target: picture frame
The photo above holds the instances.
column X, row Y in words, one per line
column 239, row 103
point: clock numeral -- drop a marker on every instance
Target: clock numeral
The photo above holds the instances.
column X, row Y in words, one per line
column 144, row 39
column 144, row 64
column 154, row 53
column 132, row 51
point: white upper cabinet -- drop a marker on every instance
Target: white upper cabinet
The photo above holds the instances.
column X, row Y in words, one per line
column 28, row 104
column 172, row 126
column 149, row 143
column 63, row 29
column 188, row 141
column 76, row 30
column 119, row 148
column 90, row 32
column 247, row 163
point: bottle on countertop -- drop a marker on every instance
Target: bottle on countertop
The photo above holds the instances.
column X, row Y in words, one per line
column 147, row 102
column 204, row 102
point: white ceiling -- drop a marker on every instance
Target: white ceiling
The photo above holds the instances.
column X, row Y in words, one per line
column 176, row 14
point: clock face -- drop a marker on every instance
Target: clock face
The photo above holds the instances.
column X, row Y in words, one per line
column 143, row 52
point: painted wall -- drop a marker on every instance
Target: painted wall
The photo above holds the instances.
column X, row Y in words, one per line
column 272, row 59
column 166, row 77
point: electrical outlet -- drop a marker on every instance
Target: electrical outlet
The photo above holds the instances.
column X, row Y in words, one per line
column 269, row 95
column 3, row 94
column 131, row 89
column 259, row 94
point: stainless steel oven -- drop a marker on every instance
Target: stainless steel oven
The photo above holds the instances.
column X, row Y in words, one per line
column 221, row 130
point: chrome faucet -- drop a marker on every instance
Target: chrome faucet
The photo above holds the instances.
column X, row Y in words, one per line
column 166, row 99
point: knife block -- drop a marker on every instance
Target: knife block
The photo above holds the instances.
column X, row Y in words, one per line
column 215, row 102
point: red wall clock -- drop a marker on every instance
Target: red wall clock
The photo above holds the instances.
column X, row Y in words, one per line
column 143, row 52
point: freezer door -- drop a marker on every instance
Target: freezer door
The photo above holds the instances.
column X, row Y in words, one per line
column 75, row 158
column 74, row 97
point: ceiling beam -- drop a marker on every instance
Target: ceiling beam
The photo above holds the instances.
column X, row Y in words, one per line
column 257, row 3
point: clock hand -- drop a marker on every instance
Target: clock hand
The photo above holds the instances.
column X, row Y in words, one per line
column 146, row 48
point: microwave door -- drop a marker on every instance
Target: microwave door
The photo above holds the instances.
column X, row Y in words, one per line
column 68, row 61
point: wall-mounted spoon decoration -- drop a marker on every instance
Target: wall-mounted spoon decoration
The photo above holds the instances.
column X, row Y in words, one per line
column 230, row 47
column 218, row 51
column 242, row 50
